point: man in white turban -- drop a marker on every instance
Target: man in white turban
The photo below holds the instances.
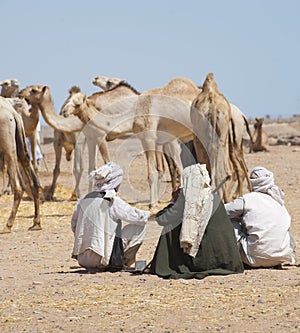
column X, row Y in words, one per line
column 262, row 223
column 100, row 240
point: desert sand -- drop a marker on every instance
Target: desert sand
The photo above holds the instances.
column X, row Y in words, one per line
column 44, row 290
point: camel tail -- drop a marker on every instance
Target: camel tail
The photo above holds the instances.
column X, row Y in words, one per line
column 23, row 153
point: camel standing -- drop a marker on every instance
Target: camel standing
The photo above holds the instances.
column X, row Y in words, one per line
column 30, row 116
column 215, row 142
column 14, row 148
column 151, row 116
column 260, row 137
column 144, row 115
column 70, row 142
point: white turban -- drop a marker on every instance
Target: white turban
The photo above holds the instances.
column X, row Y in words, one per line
column 107, row 178
column 262, row 180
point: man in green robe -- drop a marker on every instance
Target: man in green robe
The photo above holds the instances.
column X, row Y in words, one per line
column 198, row 238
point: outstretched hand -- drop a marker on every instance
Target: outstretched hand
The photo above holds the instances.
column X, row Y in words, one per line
column 175, row 193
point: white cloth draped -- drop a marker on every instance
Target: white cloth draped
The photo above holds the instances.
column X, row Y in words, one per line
column 198, row 207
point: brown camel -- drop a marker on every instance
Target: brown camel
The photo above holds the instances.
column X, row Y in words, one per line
column 14, row 148
column 260, row 137
column 215, row 141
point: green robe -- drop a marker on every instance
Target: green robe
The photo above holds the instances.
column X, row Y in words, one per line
column 218, row 253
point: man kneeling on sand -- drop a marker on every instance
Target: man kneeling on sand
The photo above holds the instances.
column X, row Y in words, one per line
column 100, row 241
column 262, row 223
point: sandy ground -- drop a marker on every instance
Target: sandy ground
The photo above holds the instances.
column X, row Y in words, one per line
column 43, row 289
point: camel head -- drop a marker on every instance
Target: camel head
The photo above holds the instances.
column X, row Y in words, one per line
column 107, row 83
column 19, row 104
column 209, row 84
column 73, row 104
column 72, row 91
column 9, row 88
column 34, row 94
column 259, row 123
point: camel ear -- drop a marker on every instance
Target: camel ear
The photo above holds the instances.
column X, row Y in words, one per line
column 256, row 119
column 44, row 89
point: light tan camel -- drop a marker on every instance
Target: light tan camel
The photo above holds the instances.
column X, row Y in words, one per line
column 13, row 146
column 144, row 115
column 215, row 141
column 41, row 96
column 69, row 142
column 77, row 141
column 181, row 88
column 30, row 116
column 10, row 88
column 260, row 137
column 107, row 83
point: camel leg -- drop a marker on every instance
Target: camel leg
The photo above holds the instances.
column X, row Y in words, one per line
column 149, row 149
column 35, row 189
column 104, row 151
column 18, row 193
column 78, row 165
column 172, row 155
column 33, row 145
column 160, row 166
column 57, row 145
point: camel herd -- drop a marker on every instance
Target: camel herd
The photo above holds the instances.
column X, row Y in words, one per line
column 166, row 120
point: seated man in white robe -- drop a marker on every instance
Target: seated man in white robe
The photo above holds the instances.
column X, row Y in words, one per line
column 262, row 223
column 100, row 241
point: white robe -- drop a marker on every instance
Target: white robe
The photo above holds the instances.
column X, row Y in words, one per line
column 94, row 223
column 262, row 229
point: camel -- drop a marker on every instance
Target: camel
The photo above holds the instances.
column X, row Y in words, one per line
column 43, row 100
column 70, row 142
column 77, row 140
column 131, row 115
column 215, row 141
column 30, row 116
column 14, row 148
column 142, row 121
column 155, row 119
column 9, row 88
column 260, row 137
column 107, row 83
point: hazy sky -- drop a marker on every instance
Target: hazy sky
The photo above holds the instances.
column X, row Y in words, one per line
column 252, row 47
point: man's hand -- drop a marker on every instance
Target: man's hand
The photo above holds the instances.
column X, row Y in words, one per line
column 175, row 193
